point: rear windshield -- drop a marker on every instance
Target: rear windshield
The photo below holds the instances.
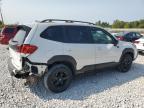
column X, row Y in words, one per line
column 20, row 36
column 22, row 33
column 9, row 30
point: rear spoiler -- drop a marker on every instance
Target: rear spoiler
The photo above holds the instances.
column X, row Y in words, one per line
column 24, row 27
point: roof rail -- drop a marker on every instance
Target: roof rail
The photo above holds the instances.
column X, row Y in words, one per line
column 67, row 21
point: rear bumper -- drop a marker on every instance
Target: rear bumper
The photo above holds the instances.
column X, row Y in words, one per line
column 35, row 68
column 16, row 73
column 30, row 78
column 28, row 69
column 11, row 68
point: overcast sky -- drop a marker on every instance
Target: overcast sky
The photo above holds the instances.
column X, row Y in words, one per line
column 27, row 11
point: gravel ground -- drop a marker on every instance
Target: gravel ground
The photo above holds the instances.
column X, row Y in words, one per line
column 105, row 89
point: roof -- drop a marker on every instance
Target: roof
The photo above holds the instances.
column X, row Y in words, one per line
column 65, row 22
column 57, row 23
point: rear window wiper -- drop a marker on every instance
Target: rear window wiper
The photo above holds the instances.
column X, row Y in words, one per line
column 14, row 41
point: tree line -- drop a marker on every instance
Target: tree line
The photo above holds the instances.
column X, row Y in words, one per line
column 122, row 24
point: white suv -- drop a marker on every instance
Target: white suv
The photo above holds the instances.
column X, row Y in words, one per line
column 59, row 50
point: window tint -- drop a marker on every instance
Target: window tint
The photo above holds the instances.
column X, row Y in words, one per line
column 129, row 35
column 54, row 33
column 100, row 36
column 77, row 34
column 9, row 30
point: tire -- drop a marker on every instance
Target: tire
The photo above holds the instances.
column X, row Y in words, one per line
column 58, row 78
column 125, row 63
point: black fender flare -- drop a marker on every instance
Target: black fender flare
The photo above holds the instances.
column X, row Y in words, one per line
column 61, row 59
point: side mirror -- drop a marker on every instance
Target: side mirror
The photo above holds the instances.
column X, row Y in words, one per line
column 116, row 42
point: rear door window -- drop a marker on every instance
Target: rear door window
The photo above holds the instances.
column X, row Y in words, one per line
column 77, row 34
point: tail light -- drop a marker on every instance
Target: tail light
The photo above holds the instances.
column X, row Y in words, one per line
column 27, row 49
column 136, row 42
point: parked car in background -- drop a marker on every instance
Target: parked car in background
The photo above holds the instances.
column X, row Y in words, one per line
column 7, row 33
column 140, row 44
column 128, row 36
column 114, row 34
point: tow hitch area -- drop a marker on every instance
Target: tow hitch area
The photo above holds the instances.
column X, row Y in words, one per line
column 31, row 80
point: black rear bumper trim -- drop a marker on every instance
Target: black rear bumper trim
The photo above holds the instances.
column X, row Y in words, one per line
column 33, row 63
column 17, row 73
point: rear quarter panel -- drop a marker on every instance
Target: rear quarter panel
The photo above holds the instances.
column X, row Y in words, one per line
column 46, row 48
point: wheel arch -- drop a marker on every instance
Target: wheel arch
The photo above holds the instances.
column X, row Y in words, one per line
column 63, row 59
column 128, row 51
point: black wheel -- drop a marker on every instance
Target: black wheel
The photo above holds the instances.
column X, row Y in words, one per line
column 58, row 78
column 125, row 63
